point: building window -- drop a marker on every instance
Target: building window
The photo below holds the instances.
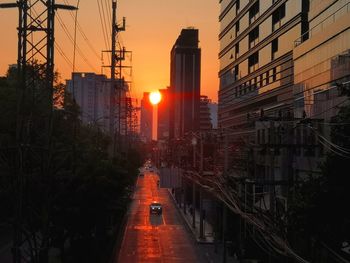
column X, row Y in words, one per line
column 237, row 50
column 267, row 77
column 254, row 37
column 237, row 28
column 274, row 48
column 278, row 16
column 236, row 75
column 253, row 62
column 274, row 74
column 254, row 12
column 253, row 84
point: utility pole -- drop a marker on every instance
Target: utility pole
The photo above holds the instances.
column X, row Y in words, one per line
column 117, row 56
column 193, row 204
column 272, row 169
column 224, row 226
column 112, row 91
column 226, row 153
column 201, row 157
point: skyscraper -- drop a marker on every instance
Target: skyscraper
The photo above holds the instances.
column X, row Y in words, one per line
column 163, row 115
column 184, row 88
column 146, row 118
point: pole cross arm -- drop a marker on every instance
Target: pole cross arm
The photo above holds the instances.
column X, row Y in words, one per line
column 9, row 5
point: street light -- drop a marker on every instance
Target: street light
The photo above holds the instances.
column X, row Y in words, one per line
column 194, row 143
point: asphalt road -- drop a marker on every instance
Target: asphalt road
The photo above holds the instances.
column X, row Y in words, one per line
column 155, row 238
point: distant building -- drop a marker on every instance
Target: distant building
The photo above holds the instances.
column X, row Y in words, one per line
column 205, row 119
column 184, row 88
column 146, row 118
column 213, row 108
column 92, row 94
column 163, row 115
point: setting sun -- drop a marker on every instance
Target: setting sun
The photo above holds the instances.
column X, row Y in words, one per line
column 155, row 97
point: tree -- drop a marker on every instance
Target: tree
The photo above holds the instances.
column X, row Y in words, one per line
column 83, row 193
column 319, row 212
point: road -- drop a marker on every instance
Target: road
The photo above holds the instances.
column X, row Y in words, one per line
column 155, row 238
column 5, row 243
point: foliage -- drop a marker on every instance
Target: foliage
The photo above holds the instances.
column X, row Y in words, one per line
column 319, row 209
column 73, row 186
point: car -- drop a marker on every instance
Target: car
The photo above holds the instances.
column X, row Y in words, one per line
column 155, row 208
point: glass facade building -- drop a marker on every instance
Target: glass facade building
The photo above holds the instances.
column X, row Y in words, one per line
column 256, row 62
column 321, row 67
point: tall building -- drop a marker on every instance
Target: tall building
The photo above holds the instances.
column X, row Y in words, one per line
column 321, row 67
column 184, row 88
column 213, row 108
column 256, row 67
column 205, row 123
column 146, row 118
column 92, row 93
column 163, row 115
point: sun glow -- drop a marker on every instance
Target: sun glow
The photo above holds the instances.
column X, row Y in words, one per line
column 155, row 97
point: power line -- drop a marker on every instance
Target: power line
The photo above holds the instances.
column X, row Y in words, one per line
column 103, row 29
column 109, row 15
column 71, row 39
column 81, row 31
column 61, row 52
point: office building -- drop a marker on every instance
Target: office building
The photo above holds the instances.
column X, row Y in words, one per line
column 213, row 108
column 205, row 123
column 91, row 92
column 321, row 68
column 256, row 70
column 163, row 115
column 146, row 120
column 184, row 88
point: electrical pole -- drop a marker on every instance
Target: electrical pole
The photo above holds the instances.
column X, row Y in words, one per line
column 35, row 43
column 272, row 169
column 117, row 56
column 113, row 62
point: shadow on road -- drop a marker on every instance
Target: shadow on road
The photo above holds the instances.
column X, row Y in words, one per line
column 155, row 220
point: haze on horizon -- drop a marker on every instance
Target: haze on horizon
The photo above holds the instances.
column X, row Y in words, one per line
column 152, row 29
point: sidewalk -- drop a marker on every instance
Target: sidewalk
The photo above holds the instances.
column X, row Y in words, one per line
column 211, row 251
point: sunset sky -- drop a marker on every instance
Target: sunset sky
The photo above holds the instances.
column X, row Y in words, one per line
column 152, row 28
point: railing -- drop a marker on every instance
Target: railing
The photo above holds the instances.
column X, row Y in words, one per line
column 320, row 26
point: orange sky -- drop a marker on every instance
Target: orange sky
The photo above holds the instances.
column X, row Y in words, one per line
column 152, row 28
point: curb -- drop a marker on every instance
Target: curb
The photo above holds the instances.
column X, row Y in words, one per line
column 188, row 224
column 122, row 229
